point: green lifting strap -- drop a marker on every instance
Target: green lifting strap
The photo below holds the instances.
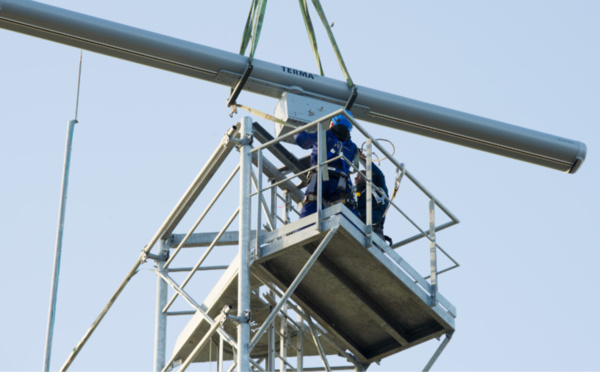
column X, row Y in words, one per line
column 311, row 33
column 252, row 34
column 252, row 30
column 253, row 27
column 247, row 29
column 319, row 9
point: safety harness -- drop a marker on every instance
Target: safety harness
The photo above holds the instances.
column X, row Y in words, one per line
column 344, row 186
column 378, row 194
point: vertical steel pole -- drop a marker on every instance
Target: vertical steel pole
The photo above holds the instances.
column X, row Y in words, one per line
column 432, row 253
column 220, row 363
column 287, row 208
column 243, row 356
column 274, row 206
column 160, row 335
column 60, row 228
column 270, row 362
column 283, row 338
column 259, row 197
column 369, row 191
column 322, row 172
column 300, row 345
column 58, row 250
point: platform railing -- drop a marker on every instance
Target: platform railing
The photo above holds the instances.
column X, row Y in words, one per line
column 320, row 170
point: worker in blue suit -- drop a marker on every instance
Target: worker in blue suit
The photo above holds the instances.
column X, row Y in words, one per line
column 339, row 186
column 379, row 202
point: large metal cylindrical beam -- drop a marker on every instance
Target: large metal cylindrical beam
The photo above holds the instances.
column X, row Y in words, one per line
column 221, row 67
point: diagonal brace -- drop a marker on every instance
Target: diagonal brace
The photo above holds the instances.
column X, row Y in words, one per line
column 313, row 258
column 318, row 343
column 196, row 307
column 218, row 321
column 438, row 352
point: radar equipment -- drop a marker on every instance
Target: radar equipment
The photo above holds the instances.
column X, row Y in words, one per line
column 221, row 67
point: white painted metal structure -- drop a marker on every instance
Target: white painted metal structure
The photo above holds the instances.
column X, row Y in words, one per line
column 299, row 292
column 272, row 80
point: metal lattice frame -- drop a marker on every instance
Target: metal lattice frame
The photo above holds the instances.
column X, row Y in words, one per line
column 279, row 328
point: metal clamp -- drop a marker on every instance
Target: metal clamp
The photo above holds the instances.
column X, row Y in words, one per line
column 242, row 141
column 246, row 318
column 156, row 257
column 228, row 135
column 226, row 309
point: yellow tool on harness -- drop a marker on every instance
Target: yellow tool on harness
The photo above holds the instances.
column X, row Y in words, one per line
column 399, row 176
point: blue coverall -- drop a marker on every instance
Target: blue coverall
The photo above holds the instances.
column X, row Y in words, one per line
column 334, row 144
column 377, row 209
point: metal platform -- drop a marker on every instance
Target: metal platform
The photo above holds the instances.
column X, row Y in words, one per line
column 366, row 298
column 224, row 293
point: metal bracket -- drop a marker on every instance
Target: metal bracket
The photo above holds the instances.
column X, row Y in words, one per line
column 228, row 135
column 254, row 256
column 239, row 142
column 352, row 98
column 156, row 257
column 246, row 318
column 226, row 309
column 354, row 360
column 240, row 85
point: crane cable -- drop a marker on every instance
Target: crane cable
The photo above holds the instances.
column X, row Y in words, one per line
column 311, row 33
column 253, row 27
column 251, row 35
column 336, row 49
column 254, row 24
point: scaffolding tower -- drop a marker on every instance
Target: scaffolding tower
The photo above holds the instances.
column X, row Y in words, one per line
column 295, row 294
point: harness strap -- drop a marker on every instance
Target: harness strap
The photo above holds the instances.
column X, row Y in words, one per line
column 340, row 199
column 335, row 151
column 342, row 181
column 396, row 187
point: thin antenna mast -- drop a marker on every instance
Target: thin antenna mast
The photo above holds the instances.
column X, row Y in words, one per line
column 61, row 221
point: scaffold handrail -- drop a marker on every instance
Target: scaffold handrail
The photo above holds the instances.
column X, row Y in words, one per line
column 422, row 233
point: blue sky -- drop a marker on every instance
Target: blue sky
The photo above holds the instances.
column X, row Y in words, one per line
column 526, row 291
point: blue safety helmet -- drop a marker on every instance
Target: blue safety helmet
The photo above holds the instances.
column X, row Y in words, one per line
column 341, row 120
